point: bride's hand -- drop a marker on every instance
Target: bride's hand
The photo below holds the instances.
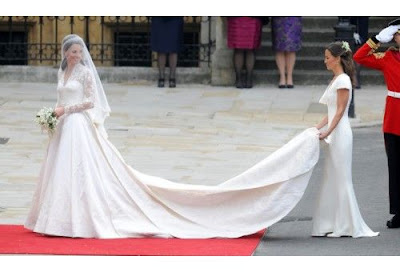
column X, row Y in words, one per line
column 323, row 135
column 59, row 111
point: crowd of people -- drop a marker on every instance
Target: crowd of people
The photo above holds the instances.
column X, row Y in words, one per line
column 244, row 38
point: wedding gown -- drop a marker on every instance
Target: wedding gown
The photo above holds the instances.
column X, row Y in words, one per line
column 337, row 213
column 86, row 189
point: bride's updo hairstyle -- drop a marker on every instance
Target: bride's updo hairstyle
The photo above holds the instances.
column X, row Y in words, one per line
column 67, row 42
column 342, row 49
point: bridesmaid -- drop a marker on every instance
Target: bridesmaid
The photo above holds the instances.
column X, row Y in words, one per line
column 286, row 41
column 337, row 213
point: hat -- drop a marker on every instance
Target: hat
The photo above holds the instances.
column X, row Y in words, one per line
column 395, row 22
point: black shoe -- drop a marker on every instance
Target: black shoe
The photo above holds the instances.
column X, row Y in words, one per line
column 249, row 84
column 281, row 86
column 290, row 86
column 172, row 83
column 160, row 83
column 394, row 223
column 239, row 83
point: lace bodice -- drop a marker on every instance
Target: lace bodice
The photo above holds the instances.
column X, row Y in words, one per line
column 76, row 94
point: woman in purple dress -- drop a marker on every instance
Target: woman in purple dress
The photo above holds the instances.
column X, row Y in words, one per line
column 286, row 41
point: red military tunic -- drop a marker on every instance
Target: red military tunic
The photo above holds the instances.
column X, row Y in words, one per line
column 389, row 63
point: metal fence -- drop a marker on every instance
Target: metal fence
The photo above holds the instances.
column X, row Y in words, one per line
column 120, row 40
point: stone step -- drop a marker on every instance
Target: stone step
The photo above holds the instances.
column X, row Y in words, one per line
column 317, row 34
column 315, row 77
column 315, row 22
column 304, row 63
column 321, row 29
column 148, row 76
column 128, row 75
column 330, row 21
column 308, row 49
column 318, row 21
column 308, row 35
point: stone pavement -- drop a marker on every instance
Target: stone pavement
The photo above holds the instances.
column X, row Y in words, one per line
column 195, row 134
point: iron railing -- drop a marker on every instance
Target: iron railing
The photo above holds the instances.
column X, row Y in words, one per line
column 111, row 40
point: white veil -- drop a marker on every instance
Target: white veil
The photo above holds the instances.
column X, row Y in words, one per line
column 101, row 108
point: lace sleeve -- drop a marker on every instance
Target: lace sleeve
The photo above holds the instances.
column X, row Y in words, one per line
column 88, row 101
column 58, row 94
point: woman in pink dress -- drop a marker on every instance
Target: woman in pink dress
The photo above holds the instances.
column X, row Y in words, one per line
column 244, row 36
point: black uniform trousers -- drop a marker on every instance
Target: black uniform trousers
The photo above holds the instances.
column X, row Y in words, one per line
column 392, row 146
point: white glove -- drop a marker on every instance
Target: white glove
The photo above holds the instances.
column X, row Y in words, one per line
column 357, row 38
column 386, row 34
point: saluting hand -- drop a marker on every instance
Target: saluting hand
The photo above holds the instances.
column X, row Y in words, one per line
column 386, row 34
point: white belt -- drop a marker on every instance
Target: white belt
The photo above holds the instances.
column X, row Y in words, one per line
column 394, row 94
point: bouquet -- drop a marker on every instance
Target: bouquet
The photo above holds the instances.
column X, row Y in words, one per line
column 47, row 120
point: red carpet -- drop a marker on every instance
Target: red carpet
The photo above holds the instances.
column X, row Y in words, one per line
column 15, row 239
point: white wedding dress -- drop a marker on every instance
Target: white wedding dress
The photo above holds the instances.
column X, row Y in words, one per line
column 337, row 213
column 86, row 189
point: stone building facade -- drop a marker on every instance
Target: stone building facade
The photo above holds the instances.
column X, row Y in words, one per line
column 120, row 47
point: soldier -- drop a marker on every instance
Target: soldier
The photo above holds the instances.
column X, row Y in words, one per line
column 389, row 63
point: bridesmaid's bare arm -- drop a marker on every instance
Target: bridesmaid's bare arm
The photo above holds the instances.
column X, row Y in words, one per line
column 323, row 123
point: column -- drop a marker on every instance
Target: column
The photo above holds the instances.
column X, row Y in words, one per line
column 222, row 73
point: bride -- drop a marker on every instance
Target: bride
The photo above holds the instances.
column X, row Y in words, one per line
column 86, row 189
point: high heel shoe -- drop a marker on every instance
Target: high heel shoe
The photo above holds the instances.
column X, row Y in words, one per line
column 160, row 83
column 172, row 83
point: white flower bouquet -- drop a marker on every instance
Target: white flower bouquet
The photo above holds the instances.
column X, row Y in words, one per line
column 47, row 120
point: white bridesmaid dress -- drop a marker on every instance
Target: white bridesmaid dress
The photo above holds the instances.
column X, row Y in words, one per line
column 337, row 213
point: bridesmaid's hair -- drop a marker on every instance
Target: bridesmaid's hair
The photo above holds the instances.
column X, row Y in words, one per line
column 65, row 46
column 342, row 50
